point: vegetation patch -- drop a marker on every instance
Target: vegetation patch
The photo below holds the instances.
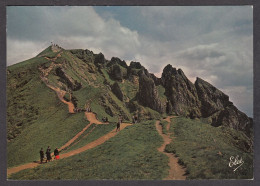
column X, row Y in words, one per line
column 130, row 155
column 205, row 151
column 91, row 134
column 164, row 124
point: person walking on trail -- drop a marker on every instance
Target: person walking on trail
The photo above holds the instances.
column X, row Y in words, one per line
column 48, row 154
column 118, row 124
column 41, row 155
column 56, row 154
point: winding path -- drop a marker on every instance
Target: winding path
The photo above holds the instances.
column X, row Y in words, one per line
column 176, row 171
column 89, row 115
column 90, row 145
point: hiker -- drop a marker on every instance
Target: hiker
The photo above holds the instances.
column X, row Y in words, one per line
column 118, row 124
column 133, row 119
column 41, row 155
column 106, row 119
column 56, row 154
column 48, row 154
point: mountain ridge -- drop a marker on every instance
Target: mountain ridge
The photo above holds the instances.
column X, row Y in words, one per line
column 130, row 89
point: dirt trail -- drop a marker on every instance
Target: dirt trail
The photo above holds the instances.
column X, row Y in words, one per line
column 92, row 119
column 58, row 91
column 60, row 94
column 176, row 171
column 95, row 143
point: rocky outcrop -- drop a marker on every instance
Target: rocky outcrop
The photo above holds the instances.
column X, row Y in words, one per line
column 180, row 92
column 100, row 59
column 212, row 99
column 135, row 65
column 157, row 81
column 169, row 109
column 117, row 91
column 117, row 72
column 148, row 95
column 71, row 84
column 135, row 69
column 85, row 55
column 233, row 118
column 116, row 60
column 216, row 105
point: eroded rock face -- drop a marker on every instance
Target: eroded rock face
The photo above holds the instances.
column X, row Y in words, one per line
column 181, row 92
column 212, row 99
column 117, row 91
column 216, row 105
column 231, row 117
column 116, row 60
column 135, row 65
column 148, row 95
column 136, row 69
column 71, row 84
column 157, row 81
column 117, row 72
column 100, row 59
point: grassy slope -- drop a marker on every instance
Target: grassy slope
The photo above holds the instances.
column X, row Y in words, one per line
column 197, row 144
column 92, row 133
column 131, row 154
column 45, row 120
column 54, row 127
column 22, row 104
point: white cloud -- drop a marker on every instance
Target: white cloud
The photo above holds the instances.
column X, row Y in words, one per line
column 72, row 27
column 214, row 43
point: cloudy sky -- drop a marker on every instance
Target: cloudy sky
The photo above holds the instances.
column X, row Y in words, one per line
column 213, row 43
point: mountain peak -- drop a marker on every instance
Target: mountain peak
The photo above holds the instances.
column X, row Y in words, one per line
column 53, row 48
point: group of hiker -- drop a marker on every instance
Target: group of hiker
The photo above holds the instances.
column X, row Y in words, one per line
column 56, row 151
column 88, row 109
column 120, row 120
column 48, row 154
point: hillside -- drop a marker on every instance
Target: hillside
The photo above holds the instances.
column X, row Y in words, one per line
column 48, row 95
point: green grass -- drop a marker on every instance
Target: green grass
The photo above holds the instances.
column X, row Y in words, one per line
column 161, row 91
column 106, row 76
column 91, row 134
column 164, row 124
column 129, row 89
column 48, row 53
column 47, row 50
column 197, row 145
column 130, row 155
column 35, row 116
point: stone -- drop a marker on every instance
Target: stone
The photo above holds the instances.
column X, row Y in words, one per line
column 180, row 92
column 117, row 91
column 148, row 95
column 212, row 99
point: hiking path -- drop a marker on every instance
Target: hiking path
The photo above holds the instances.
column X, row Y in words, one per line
column 176, row 171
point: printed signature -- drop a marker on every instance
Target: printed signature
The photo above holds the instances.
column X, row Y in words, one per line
column 235, row 161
